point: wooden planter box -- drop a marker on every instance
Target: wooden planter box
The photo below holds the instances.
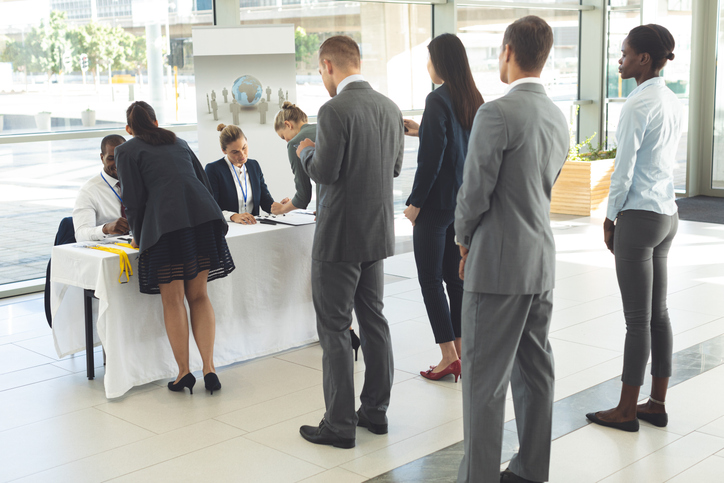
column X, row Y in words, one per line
column 582, row 187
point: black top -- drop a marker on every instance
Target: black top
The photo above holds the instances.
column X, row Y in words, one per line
column 164, row 189
column 223, row 186
column 441, row 157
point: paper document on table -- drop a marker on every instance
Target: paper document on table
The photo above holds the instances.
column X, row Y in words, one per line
column 294, row 218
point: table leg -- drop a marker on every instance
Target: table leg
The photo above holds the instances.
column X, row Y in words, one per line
column 88, row 305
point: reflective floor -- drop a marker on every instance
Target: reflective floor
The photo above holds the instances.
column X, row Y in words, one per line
column 57, row 426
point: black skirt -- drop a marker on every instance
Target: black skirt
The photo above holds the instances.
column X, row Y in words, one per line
column 182, row 254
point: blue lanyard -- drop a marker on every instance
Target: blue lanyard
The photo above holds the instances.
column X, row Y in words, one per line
column 112, row 188
column 245, row 190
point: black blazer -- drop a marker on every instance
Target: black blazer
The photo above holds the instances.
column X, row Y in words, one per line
column 223, row 186
column 441, row 157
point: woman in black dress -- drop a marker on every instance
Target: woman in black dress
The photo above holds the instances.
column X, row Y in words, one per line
column 180, row 232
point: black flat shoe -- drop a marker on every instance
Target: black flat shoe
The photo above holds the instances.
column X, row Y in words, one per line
column 211, row 381
column 355, row 342
column 187, row 381
column 508, row 476
column 363, row 422
column 657, row 419
column 630, row 426
column 323, row 435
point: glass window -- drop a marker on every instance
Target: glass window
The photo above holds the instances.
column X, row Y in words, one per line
column 481, row 30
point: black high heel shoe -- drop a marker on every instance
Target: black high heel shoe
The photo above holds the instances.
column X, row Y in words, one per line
column 187, row 381
column 211, row 381
column 355, row 342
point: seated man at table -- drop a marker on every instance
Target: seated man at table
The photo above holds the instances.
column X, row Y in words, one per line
column 99, row 210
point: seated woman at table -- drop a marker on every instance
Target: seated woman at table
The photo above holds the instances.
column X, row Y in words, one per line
column 180, row 232
column 291, row 124
column 237, row 182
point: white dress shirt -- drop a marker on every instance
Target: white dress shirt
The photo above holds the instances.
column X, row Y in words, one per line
column 96, row 205
column 241, row 173
column 648, row 138
column 523, row 80
column 348, row 80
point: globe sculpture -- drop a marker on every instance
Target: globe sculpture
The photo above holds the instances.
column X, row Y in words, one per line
column 247, row 90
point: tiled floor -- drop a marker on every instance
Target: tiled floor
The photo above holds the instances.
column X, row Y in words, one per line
column 57, row 426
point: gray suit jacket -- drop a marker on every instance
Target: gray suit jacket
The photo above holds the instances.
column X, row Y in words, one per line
column 517, row 148
column 358, row 152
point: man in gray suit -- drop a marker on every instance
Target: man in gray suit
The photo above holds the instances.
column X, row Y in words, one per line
column 517, row 148
column 358, row 152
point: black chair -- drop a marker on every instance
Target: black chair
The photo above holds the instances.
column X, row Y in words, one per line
column 65, row 235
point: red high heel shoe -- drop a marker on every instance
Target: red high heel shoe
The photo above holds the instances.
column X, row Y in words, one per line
column 453, row 369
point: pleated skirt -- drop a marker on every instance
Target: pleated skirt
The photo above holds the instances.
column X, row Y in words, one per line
column 183, row 254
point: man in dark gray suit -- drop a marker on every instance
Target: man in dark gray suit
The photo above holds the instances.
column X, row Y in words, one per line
column 358, row 152
column 517, row 148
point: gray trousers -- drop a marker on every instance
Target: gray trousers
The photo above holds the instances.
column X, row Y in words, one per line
column 641, row 245
column 337, row 289
column 505, row 339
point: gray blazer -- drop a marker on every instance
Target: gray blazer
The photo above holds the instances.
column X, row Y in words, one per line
column 359, row 149
column 517, row 148
column 164, row 189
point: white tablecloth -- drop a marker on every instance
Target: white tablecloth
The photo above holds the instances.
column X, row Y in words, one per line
column 262, row 307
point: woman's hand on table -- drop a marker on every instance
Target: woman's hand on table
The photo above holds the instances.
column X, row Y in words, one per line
column 279, row 208
column 243, row 218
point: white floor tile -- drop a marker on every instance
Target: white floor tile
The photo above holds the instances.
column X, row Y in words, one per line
column 398, row 310
column 14, row 358
column 19, row 324
column 336, row 475
column 237, row 459
column 401, row 265
column 61, row 440
column 669, row 460
column 571, row 357
column 708, row 471
column 584, row 311
column 715, row 428
column 29, row 376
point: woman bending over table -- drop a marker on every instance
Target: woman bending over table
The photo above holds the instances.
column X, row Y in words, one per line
column 180, row 232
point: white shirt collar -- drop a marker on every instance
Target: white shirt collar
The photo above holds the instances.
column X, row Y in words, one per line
column 651, row 82
column 233, row 166
column 523, row 80
column 348, row 80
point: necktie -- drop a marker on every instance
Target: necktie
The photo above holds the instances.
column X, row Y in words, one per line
column 123, row 208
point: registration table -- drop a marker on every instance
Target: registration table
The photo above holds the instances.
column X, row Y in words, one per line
column 264, row 306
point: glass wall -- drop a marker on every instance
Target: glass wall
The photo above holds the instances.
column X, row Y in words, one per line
column 481, row 30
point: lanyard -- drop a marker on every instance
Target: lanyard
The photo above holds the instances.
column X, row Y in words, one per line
column 245, row 190
column 112, row 188
column 125, row 263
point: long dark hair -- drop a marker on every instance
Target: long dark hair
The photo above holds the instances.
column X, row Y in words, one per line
column 141, row 117
column 654, row 40
column 450, row 61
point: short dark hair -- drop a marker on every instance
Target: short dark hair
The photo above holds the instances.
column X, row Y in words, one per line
column 341, row 51
column 654, row 40
column 531, row 40
column 112, row 139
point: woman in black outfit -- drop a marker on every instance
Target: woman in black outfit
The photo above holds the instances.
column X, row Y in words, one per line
column 180, row 231
column 444, row 134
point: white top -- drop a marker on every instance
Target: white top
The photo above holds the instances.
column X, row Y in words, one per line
column 241, row 173
column 96, row 205
column 348, row 80
column 648, row 137
column 523, row 80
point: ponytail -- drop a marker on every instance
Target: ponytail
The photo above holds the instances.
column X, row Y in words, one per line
column 141, row 118
column 291, row 113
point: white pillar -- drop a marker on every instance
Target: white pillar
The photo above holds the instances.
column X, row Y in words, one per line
column 226, row 13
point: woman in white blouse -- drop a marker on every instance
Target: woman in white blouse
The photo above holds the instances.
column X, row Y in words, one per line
column 236, row 180
column 642, row 204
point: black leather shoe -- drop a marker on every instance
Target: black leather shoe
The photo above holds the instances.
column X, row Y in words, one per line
column 363, row 422
column 657, row 419
column 324, row 435
column 630, row 426
column 508, row 476
column 212, row 383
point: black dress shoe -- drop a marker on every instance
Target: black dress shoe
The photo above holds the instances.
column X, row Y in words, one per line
column 630, row 426
column 657, row 419
column 363, row 422
column 212, row 383
column 324, row 435
column 508, row 476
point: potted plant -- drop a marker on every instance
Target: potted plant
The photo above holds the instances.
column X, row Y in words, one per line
column 88, row 117
column 42, row 121
column 583, row 184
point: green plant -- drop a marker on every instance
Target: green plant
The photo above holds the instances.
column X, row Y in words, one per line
column 591, row 152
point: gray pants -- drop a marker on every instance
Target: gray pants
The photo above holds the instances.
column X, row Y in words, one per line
column 641, row 246
column 337, row 289
column 505, row 339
